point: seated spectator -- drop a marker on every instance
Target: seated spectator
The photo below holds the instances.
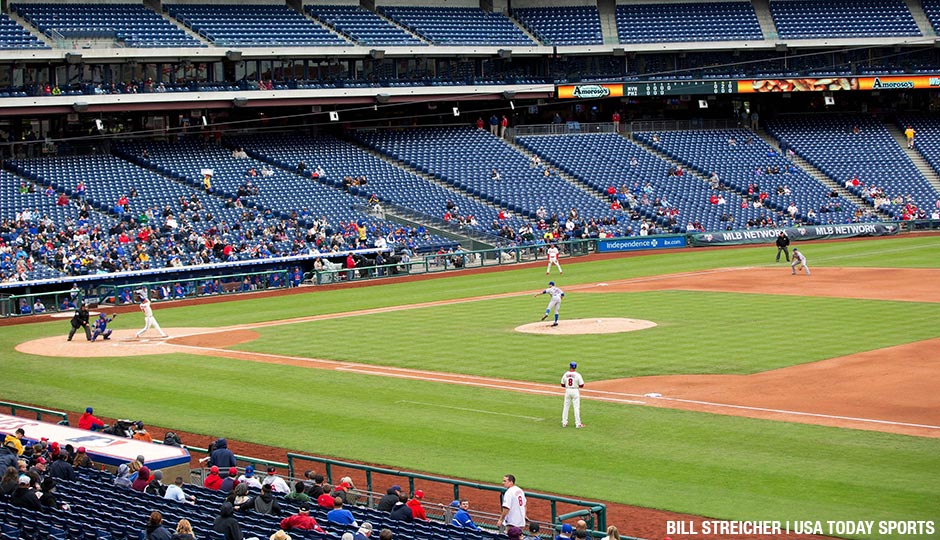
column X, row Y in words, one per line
column 90, row 421
column 401, row 510
column 24, row 496
column 264, row 503
column 462, row 516
column 175, row 492
column 143, row 478
column 415, row 504
column 155, row 529
column 301, row 520
column 226, row 523
column 299, row 494
column 278, row 485
column 213, row 480
column 325, row 500
column 230, row 480
column 340, row 515
column 390, row 499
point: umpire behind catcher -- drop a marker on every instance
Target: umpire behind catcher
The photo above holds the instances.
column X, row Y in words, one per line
column 782, row 242
column 80, row 320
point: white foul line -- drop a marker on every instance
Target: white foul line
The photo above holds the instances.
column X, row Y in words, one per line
column 535, row 418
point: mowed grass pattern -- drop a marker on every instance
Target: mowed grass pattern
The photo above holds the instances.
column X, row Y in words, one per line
column 719, row 466
column 697, row 332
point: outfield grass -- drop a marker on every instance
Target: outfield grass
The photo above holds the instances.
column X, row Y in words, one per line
column 718, row 466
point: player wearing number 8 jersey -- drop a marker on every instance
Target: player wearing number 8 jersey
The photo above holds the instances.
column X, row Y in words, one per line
column 572, row 382
column 513, row 513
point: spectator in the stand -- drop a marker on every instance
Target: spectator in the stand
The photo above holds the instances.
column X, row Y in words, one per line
column 226, row 523
column 221, row 456
column 90, row 421
column 390, row 499
column 213, row 480
column 143, row 478
column 9, row 481
column 230, row 480
column 325, row 500
column 612, row 533
column 175, row 492
column 249, row 478
column 155, row 486
column 278, row 485
column 60, row 468
column 48, row 499
column 340, row 515
column 401, row 510
column 415, row 504
column 264, row 503
column 299, row 494
column 155, row 529
column 385, row 534
column 302, row 520
column 24, row 496
column 364, row 532
column 17, row 440
column 184, row 531
column 315, row 485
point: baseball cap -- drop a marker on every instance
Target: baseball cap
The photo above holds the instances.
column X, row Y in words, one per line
column 214, row 469
column 272, row 470
column 41, row 459
column 419, row 494
column 304, row 507
column 567, row 529
column 232, row 471
column 365, row 527
column 514, row 532
column 24, row 479
column 396, row 487
column 89, row 410
column 81, row 450
column 573, row 365
column 552, row 283
column 794, row 249
column 249, row 471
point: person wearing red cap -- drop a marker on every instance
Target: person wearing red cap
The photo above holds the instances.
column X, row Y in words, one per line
column 230, row 481
column 302, row 520
column 417, row 511
column 213, row 480
column 81, row 459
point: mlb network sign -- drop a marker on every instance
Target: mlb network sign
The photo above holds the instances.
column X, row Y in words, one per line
column 645, row 242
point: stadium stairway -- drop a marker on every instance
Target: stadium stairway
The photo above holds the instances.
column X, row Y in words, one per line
column 690, row 171
column 766, row 20
column 915, row 156
column 187, row 30
column 823, row 178
column 563, row 175
column 400, row 214
column 920, row 17
column 18, row 19
column 607, row 9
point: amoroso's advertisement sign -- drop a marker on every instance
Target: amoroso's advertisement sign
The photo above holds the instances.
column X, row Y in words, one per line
column 635, row 243
column 590, row 91
column 810, row 232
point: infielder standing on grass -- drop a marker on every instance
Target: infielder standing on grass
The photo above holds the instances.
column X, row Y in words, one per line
column 553, row 259
column 149, row 319
column 555, row 302
column 572, row 382
column 799, row 261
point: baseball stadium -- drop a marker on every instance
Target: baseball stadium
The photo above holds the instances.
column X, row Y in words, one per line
column 335, row 235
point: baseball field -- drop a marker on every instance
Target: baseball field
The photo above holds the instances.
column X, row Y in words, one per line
column 756, row 395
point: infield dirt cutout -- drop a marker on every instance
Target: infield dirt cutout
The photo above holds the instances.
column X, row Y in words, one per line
column 893, row 389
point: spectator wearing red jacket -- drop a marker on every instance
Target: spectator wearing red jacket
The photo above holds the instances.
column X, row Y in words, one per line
column 213, row 481
column 302, row 520
column 90, row 421
column 415, row 504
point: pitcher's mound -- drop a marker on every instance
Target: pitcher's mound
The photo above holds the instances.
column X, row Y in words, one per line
column 586, row 326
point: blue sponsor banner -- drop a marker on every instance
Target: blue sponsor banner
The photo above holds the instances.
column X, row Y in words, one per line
column 637, row 243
